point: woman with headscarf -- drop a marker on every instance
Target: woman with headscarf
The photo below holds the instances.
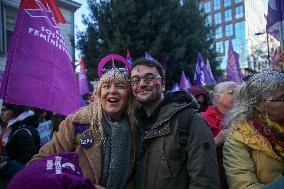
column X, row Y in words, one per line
column 253, row 152
column 101, row 134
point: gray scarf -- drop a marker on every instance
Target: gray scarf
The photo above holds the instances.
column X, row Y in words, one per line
column 116, row 154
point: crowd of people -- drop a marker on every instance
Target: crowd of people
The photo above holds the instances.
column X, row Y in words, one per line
column 135, row 135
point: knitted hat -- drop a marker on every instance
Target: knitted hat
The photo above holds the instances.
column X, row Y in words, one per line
column 195, row 91
column 57, row 171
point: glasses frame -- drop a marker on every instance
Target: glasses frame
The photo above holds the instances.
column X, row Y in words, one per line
column 146, row 80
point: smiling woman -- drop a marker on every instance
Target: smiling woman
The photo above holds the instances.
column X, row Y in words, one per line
column 101, row 134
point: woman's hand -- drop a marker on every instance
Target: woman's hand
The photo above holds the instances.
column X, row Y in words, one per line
column 99, row 187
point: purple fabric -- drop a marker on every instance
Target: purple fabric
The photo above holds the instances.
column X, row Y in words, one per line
column 128, row 57
column 274, row 17
column 175, row 87
column 57, row 171
column 209, row 78
column 149, row 57
column 184, row 82
column 39, row 71
column 83, row 82
column 233, row 66
column 199, row 78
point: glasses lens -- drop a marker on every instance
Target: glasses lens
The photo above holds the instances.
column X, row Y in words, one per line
column 149, row 77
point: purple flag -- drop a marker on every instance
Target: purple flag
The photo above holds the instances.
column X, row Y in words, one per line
column 128, row 57
column 149, row 57
column 175, row 87
column 199, row 78
column 275, row 17
column 39, row 71
column 233, row 67
column 83, row 80
column 184, row 82
column 209, row 78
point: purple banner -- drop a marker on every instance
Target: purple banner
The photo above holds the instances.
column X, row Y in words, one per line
column 39, row 71
column 233, row 66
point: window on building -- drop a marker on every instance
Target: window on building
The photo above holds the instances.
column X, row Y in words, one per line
column 228, row 30
column 217, row 4
column 209, row 20
column 237, row 1
column 239, row 13
column 8, row 19
column 207, row 7
column 217, row 18
column 1, row 28
column 227, row 3
column 220, row 47
column 218, row 32
column 228, row 15
column 240, row 30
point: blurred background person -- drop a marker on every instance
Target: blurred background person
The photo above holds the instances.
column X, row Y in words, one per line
column 223, row 100
column 202, row 97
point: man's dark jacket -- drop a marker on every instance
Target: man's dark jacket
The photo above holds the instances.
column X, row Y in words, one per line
column 162, row 162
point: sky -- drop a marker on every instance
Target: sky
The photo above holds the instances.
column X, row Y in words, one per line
column 78, row 21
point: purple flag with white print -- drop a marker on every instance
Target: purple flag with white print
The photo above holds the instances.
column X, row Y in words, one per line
column 233, row 67
column 83, row 80
column 209, row 78
column 39, row 71
column 274, row 17
column 184, row 82
column 199, row 78
column 175, row 87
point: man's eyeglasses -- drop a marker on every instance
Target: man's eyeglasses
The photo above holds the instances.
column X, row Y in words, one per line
column 148, row 77
column 278, row 100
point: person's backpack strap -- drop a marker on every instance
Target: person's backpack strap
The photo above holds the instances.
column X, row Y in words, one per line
column 184, row 125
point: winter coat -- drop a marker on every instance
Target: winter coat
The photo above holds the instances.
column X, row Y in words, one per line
column 21, row 141
column 68, row 140
column 249, row 159
column 162, row 163
column 215, row 120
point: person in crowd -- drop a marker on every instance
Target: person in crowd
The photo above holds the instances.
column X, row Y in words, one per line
column 101, row 134
column 20, row 140
column 202, row 97
column 175, row 148
column 253, row 152
column 223, row 100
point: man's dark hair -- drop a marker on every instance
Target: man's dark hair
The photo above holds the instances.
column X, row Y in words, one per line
column 149, row 63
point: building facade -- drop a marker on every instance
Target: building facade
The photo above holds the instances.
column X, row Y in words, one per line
column 8, row 14
column 244, row 21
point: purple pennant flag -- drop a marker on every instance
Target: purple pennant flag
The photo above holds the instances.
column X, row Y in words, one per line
column 209, row 78
column 175, row 87
column 184, row 82
column 199, row 78
column 275, row 17
column 39, row 71
column 128, row 57
column 83, row 80
column 149, row 57
column 233, row 67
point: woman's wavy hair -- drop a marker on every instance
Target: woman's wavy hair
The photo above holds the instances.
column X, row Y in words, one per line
column 258, row 89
